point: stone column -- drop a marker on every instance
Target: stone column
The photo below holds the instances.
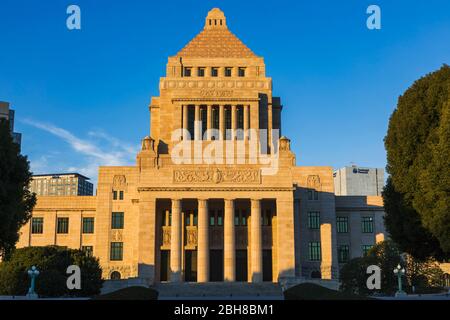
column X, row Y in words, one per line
column 185, row 122
column 285, row 236
column 146, row 244
column 222, row 122
column 203, row 242
column 229, row 244
column 208, row 121
column 256, row 241
column 326, row 265
column 246, row 119
column 197, row 123
column 233, row 121
column 175, row 242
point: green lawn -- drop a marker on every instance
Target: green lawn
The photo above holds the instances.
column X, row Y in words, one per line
column 311, row 291
column 131, row 293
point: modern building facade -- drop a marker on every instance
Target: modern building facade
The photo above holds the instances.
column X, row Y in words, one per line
column 215, row 194
column 358, row 181
column 7, row 113
column 61, row 184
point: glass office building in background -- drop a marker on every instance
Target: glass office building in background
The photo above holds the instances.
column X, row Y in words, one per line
column 61, row 184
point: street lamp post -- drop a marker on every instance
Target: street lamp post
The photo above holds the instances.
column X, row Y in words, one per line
column 399, row 272
column 33, row 274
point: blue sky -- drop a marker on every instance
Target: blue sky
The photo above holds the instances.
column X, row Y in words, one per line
column 81, row 96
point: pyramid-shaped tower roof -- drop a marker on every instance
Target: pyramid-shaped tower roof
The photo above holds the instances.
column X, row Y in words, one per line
column 216, row 41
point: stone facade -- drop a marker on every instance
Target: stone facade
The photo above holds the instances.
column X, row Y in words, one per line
column 221, row 200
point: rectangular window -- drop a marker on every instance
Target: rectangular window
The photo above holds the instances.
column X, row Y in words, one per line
column 219, row 218
column 187, row 219
column 88, row 225
column 201, row 72
column 243, row 218
column 88, row 250
column 228, row 122
column 62, row 225
column 313, row 195
column 212, row 220
column 344, row 253
column 314, row 220
column 228, row 71
column 314, row 251
column 120, row 195
column 215, row 117
column 117, row 220
column 241, row 72
column 342, row 224
column 214, row 72
column 204, row 119
column 195, row 218
column 191, row 121
column 367, row 224
column 365, row 249
column 116, row 251
column 187, row 72
column 240, row 122
column 236, row 217
column 37, row 225
column 267, row 217
column 114, row 195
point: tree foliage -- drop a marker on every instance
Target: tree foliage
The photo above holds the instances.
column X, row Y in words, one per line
column 425, row 276
column 52, row 262
column 16, row 201
column 354, row 275
column 418, row 156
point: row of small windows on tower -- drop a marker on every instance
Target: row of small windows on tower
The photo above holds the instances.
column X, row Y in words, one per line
column 215, row 22
column 342, row 226
column 213, row 71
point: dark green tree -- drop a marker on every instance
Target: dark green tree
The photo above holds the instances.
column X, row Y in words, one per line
column 418, row 156
column 405, row 227
column 52, row 262
column 16, row 201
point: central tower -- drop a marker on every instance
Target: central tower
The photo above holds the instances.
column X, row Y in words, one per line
column 215, row 88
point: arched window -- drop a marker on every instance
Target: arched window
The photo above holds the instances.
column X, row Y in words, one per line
column 115, row 275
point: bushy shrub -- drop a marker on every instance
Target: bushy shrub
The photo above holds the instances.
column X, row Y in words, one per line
column 52, row 263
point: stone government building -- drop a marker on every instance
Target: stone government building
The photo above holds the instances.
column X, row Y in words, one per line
column 228, row 220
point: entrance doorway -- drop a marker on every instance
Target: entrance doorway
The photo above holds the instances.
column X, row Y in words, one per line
column 190, row 266
column 164, row 270
column 241, row 265
column 267, row 265
column 216, row 265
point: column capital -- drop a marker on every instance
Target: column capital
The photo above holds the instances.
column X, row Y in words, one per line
column 229, row 202
column 176, row 202
column 202, row 202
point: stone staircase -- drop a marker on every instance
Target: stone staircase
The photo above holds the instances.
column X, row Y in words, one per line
column 223, row 290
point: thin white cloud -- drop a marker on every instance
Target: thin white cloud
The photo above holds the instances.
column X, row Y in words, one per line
column 96, row 151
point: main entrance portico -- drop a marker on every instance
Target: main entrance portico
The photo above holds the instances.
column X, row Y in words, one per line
column 216, row 239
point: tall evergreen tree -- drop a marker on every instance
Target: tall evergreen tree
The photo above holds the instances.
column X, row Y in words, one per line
column 417, row 197
column 16, row 201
